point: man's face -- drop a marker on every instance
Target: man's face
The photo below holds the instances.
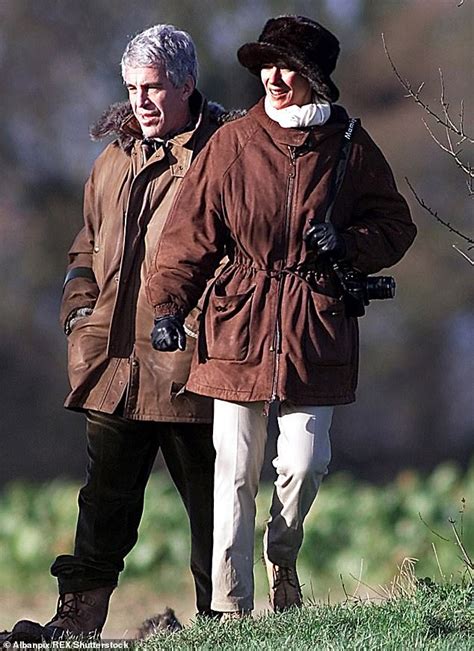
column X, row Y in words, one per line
column 285, row 87
column 159, row 107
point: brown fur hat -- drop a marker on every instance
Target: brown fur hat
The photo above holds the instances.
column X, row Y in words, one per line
column 299, row 43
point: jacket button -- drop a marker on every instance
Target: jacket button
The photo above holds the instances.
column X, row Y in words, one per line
column 96, row 248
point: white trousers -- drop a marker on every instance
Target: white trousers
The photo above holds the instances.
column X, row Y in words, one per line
column 303, row 455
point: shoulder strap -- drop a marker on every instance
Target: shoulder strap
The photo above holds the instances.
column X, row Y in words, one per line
column 341, row 165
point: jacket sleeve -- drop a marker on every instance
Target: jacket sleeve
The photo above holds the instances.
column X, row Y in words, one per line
column 192, row 243
column 80, row 287
column 381, row 228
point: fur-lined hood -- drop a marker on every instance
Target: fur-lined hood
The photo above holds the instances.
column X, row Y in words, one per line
column 118, row 121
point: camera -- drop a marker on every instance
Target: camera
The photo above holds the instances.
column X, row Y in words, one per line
column 359, row 289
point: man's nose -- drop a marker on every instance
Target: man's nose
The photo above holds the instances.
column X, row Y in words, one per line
column 142, row 96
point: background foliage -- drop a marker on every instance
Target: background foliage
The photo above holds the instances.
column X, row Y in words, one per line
column 355, row 531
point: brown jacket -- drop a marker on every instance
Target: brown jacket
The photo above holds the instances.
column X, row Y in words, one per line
column 271, row 329
column 126, row 203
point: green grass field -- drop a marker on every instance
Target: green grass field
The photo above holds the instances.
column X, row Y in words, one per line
column 423, row 616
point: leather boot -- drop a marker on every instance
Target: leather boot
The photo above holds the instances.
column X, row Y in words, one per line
column 81, row 612
column 284, row 584
column 78, row 613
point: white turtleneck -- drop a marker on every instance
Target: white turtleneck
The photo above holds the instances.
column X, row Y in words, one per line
column 295, row 116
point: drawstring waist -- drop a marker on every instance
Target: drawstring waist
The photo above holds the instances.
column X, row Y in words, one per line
column 299, row 271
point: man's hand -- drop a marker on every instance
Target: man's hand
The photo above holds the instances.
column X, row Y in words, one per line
column 168, row 334
column 324, row 239
column 75, row 316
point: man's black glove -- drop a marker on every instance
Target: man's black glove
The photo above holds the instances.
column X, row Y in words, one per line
column 324, row 239
column 168, row 334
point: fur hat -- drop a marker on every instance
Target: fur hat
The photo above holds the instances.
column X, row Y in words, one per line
column 300, row 43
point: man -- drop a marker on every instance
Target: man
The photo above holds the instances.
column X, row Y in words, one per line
column 132, row 396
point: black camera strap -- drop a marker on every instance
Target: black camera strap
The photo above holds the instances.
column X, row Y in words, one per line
column 341, row 166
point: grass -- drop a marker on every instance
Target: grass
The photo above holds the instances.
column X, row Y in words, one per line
column 425, row 616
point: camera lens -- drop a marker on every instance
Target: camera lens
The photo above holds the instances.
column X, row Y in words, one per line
column 380, row 287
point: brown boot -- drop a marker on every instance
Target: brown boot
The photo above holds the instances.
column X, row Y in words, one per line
column 285, row 590
column 78, row 613
column 82, row 612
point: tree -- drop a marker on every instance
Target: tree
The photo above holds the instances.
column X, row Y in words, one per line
column 456, row 138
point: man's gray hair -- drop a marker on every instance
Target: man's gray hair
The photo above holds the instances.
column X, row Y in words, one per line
column 163, row 44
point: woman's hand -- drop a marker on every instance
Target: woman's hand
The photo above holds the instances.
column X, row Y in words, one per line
column 324, row 239
column 168, row 334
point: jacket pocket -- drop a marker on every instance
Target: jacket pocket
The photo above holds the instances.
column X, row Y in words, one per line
column 331, row 336
column 228, row 326
column 191, row 324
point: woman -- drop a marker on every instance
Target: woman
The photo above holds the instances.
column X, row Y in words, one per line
column 273, row 328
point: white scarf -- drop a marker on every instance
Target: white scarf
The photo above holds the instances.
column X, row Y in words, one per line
column 293, row 116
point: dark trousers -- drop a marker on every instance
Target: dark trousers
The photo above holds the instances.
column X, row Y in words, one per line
column 121, row 456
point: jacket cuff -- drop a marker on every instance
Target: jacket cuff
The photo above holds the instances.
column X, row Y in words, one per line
column 167, row 309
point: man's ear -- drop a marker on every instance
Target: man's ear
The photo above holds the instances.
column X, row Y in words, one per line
column 188, row 88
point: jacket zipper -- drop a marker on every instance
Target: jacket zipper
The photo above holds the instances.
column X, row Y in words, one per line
column 276, row 344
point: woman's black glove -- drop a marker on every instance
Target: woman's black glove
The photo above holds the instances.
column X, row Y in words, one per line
column 168, row 334
column 324, row 238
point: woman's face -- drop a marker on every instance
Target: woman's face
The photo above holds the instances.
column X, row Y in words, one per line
column 285, row 87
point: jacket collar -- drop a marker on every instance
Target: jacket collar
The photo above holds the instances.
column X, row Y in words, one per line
column 178, row 150
column 295, row 137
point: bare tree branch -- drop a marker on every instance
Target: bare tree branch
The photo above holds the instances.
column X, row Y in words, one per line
column 446, row 122
column 465, row 167
column 434, row 214
column 451, row 129
column 445, row 105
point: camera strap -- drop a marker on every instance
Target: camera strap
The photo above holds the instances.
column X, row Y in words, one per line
column 341, row 166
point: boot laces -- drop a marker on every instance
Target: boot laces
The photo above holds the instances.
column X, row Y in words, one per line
column 285, row 576
column 68, row 607
column 286, row 590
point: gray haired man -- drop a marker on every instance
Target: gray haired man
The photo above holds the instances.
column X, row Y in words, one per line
column 133, row 398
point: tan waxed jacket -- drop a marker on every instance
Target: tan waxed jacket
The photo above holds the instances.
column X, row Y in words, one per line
column 126, row 202
column 271, row 327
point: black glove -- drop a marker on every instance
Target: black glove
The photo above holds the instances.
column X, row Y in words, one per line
column 168, row 334
column 323, row 238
